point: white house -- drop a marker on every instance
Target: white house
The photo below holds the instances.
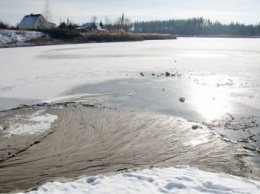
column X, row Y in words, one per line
column 35, row 22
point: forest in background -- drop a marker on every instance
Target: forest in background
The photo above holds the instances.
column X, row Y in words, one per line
column 196, row 27
column 179, row 27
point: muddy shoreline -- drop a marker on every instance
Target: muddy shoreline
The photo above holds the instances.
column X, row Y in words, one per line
column 89, row 140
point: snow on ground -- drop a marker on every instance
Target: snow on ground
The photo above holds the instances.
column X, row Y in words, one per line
column 182, row 179
column 30, row 124
column 17, row 37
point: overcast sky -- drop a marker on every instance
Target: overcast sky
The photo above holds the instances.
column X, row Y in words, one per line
column 80, row 11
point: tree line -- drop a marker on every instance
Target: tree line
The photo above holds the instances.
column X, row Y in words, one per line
column 196, row 27
column 121, row 22
column 3, row 25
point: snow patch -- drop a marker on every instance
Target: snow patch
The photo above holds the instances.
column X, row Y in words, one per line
column 181, row 179
column 199, row 140
column 17, row 37
column 74, row 98
column 30, row 124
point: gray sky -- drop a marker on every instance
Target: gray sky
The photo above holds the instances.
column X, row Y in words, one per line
column 80, row 11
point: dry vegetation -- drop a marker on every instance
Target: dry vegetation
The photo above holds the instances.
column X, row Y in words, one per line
column 103, row 36
column 4, row 25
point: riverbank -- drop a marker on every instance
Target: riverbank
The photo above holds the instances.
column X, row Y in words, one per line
column 19, row 38
column 89, row 140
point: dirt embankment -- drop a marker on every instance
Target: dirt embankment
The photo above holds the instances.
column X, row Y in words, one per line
column 89, row 141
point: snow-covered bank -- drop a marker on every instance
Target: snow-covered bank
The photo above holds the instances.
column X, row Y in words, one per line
column 182, row 179
column 17, row 37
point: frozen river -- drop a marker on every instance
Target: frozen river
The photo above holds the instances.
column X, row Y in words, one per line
column 218, row 78
column 212, row 82
column 215, row 76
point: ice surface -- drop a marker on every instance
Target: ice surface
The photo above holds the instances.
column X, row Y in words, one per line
column 30, row 124
column 49, row 72
column 182, row 179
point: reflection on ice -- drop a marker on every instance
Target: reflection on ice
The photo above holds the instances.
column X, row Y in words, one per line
column 199, row 140
column 209, row 103
column 204, row 137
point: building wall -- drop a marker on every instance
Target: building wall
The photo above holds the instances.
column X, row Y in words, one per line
column 26, row 27
column 40, row 24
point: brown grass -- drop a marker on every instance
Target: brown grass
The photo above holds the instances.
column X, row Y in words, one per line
column 118, row 37
column 103, row 36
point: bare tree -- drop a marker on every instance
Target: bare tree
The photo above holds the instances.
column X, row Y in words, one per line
column 118, row 21
column 123, row 20
column 94, row 19
column 107, row 21
column 123, row 23
column 128, row 24
column 47, row 11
